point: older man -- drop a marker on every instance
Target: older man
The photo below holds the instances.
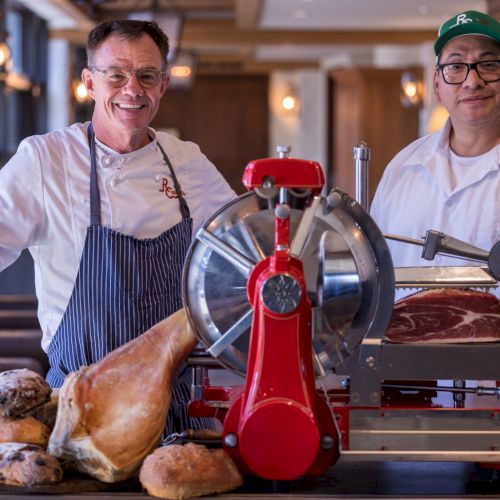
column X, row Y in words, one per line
column 108, row 208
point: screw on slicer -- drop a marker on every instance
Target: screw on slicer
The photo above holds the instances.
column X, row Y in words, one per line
column 327, row 442
column 370, row 361
column 268, row 188
column 230, row 440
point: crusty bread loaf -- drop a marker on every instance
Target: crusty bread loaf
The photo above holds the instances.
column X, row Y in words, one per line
column 112, row 414
column 24, row 430
column 27, row 465
column 22, row 390
column 177, row 472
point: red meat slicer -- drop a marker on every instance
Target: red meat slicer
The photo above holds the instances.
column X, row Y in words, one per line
column 279, row 427
column 285, row 287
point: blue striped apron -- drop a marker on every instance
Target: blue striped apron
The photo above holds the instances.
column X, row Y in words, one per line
column 124, row 286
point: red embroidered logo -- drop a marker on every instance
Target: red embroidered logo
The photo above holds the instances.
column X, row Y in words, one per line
column 170, row 192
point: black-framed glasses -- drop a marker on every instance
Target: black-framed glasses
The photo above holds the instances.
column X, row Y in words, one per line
column 457, row 73
column 118, row 77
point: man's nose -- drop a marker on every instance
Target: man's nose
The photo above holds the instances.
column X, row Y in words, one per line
column 473, row 79
column 133, row 87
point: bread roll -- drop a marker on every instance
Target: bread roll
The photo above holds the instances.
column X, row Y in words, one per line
column 27, row 465
column 192, row 470
column 22, row 390
column 47, row 412
column 24, row 430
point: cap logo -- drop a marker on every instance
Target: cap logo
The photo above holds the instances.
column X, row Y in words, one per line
column 462, row 19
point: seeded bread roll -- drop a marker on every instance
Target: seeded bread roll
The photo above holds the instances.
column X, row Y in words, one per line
column 22, row 390
column 24, row 430
column 176, row 472
column 27, row 465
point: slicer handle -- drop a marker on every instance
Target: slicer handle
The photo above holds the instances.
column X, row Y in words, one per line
column 437, row 242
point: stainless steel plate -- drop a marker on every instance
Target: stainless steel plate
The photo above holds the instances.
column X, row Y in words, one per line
column 347, row 267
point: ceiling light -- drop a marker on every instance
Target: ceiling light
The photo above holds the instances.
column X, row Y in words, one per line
column 423, row 9
column 299, row 14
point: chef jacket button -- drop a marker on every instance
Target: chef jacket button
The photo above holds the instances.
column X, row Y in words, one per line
column 158, row 177
column 449, row 203
column 106, row 161
column 114, row 182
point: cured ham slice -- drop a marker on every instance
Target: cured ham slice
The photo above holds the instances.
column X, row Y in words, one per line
column 112, row 413
column 445, row 316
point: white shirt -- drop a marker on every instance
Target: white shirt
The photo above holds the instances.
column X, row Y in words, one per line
column 419, row 191
column 45, row 203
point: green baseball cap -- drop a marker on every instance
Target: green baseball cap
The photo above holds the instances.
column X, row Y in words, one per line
column 470, row 22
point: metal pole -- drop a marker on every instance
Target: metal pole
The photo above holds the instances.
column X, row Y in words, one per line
column 361, row 154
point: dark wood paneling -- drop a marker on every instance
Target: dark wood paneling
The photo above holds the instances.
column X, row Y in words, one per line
column 227, row 116
column 366, row 107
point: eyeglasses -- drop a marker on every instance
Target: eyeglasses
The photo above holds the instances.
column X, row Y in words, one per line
column 457, row 73
column 118, row 77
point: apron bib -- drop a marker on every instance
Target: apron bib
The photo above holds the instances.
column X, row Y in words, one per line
column 124, row 286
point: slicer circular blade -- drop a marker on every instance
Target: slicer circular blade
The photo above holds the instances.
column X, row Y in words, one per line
column 347, row 267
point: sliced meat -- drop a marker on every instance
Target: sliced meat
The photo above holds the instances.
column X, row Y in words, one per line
column 445, row 316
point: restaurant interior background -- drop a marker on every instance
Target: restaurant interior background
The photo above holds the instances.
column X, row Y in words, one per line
column 246, row 76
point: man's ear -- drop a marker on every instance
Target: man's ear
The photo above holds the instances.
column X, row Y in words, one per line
column 435, row 85
column 88, row 81
column 164, row 84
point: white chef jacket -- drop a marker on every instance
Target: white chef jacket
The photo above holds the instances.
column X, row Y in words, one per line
column 45, row 203
column 415, row 194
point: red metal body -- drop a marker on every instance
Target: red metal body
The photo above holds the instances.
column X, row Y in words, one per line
column 277, row 427
column 285, row 172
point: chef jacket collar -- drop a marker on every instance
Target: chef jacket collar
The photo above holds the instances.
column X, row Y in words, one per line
column 104, row 150
column 435, row 159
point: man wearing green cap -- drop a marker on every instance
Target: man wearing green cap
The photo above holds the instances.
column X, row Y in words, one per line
column 450, row 180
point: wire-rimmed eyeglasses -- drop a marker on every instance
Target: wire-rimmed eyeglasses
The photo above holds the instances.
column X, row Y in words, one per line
column 457, row 73
column 118, row 77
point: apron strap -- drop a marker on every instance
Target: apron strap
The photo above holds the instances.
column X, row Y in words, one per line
column 95, row 197
column 186, row 214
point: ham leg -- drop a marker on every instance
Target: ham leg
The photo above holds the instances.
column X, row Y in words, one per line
column 112, row 413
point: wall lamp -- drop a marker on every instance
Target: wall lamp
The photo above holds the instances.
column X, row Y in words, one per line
column 4, row 56
column 183, row 71
column 80, row 92
column 290, row 101
column 411, row 90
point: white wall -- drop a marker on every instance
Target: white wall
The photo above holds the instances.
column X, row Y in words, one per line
column 305, row 129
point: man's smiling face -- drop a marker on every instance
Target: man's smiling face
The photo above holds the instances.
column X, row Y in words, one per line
column 126, row 110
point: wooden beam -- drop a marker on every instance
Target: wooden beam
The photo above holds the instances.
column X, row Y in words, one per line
column 215, row 33
column 74, row 36
column 247, row 13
